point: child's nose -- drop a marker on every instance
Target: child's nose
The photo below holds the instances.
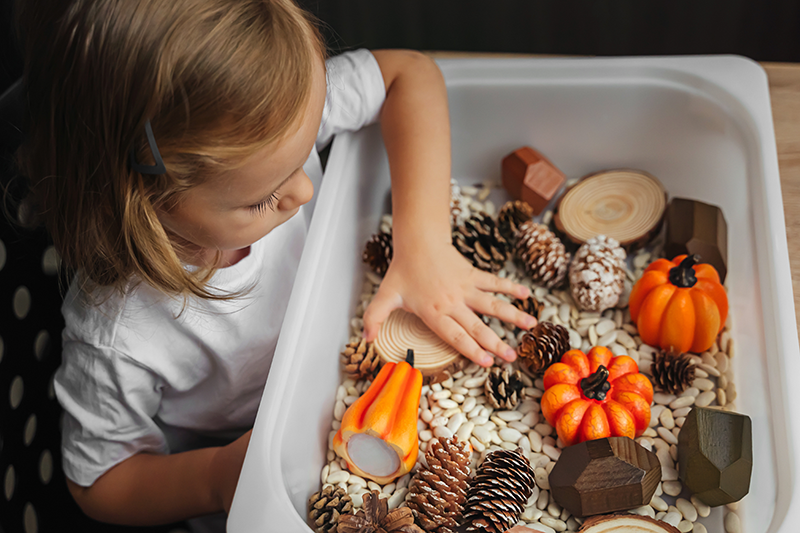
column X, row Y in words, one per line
column 299, row 193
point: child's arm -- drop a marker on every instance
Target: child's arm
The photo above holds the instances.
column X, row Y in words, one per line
column 427, row 275
column 148, row 489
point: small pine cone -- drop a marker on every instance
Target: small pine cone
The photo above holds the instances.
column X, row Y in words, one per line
column 479, row 240
column 360, row 360
column 378, row 252
column 437, row 492
column 530, row 305
column 512, row 215
column 597, row 274
column 542, row 254
column 375, row 517
column 498, row 493
column 503, row 388
column 542, row 346
column 325, row 507
column 672, row 372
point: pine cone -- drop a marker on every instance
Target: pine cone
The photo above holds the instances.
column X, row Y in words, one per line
column 530, row 305
column 542, row 346
column 375, row 517
column 437, row 493
column 479, row 240
column 360, row 360
column 503, row 388
column 597, row 274
column 499, row 492
column 672, row 372
column 326, row 507
column 512, row 215
column 542, row 254
column 378, row 252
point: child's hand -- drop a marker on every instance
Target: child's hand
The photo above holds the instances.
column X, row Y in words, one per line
column 441, row 287
column 225, row 469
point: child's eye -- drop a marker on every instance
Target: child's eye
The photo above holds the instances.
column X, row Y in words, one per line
column 261, row 208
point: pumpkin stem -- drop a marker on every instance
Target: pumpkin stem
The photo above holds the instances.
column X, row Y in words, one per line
column 683, row 275
column 596, row 385
column 410, row 357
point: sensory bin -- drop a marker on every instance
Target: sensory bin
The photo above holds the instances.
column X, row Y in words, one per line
column 469, row 416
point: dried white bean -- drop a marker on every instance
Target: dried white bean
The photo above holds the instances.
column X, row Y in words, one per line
column 338, row 477
column 703, row 384
column 704, row 399
column 684, row 401
column 658, row 503
column 686, row 508
column 339, row 409
column 442, row 432
column 732, row 522
column 551, row 451
column 673, row 488
column 663, row 398
column 667, row 435
column 666, row 419
column 455, row 422
column 702, row 509
column 510, row 435
column 542, row 480
column 397, row 498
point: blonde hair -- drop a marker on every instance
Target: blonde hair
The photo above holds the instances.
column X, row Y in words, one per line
column 217, row 79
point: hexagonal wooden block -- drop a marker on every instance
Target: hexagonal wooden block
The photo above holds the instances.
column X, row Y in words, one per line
column 695, row 227
column 604, row 475
column 715, row 455
column 531, row 177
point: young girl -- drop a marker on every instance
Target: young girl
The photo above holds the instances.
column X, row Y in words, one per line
column 171, row 148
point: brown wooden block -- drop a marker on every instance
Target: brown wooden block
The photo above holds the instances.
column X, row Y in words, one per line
column 531, row 177
column 715, row 455
column 604, row 475
column 694, row 227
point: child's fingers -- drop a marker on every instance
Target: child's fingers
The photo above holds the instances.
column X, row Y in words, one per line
column 456, row 336
column 484, row 302
column 491, row 283
column 482, row 333
column 379, row 310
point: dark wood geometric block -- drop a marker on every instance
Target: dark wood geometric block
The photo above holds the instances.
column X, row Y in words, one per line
column 695, row 227
column 604, row 475
column 531, row 177
column 715, row 455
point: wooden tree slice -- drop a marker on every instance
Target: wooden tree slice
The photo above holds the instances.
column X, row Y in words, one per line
column 432, row 356
column 625, row 523
column 625, row 204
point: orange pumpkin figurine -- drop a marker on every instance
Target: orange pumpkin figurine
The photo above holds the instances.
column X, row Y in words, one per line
column 378, row 436
column 679, row 305
column 596, row 395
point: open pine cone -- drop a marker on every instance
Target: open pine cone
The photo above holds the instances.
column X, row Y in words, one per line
column 378, row 252
column 375, row 517
column 503, row 388
column 542, row 346
column 597, row 274
column 438, row 492
column 360, row 360
column 326, row 507
column 542, row 254
column 479, row 240
column 672, row 372
column 512, row 215
column 498, row 493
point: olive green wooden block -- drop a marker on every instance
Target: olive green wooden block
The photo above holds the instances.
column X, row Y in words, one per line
column 604, row 475
column 715, row 455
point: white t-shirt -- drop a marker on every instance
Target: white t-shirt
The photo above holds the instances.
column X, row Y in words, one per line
column 134, row 378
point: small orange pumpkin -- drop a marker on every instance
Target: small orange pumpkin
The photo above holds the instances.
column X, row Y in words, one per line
column 378, row 436
column 596, row 395
column 679, row 305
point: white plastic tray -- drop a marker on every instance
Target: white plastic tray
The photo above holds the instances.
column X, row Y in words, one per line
column 703, row 125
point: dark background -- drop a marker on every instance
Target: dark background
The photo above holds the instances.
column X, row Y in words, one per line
column 764, row 30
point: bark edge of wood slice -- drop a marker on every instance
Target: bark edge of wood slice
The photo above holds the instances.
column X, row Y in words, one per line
column 626, row 204
column 433, row 357
column 626, row 523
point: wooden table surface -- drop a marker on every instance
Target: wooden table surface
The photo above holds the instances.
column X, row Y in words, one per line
column 784, row 90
